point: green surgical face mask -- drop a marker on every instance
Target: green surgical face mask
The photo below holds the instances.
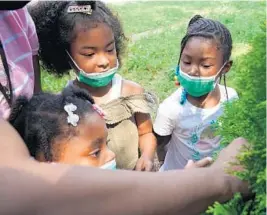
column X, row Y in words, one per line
column 197, row 86
column 100, row 79
column 97, row 79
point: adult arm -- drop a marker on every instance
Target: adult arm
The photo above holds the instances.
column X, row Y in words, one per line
column 33, row 41
column 29, row 187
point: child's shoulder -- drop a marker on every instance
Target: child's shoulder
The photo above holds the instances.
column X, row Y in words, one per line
column 174, row 98
column 131, row 88
column 171, row 105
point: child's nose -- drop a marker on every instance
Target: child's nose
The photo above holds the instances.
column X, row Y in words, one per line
column 103, row 61
column 194, row 71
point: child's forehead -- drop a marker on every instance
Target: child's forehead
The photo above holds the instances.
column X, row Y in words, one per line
column 90, row 131
column 92, row 27
column 203, row 40
column 204, row 44
column 97, row 34
column 93, row 125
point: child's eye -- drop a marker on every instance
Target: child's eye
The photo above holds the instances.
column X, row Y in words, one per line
column 95, row 153
column 186, row 62
column 89, row 55
column 206, row 66
column 110, row 50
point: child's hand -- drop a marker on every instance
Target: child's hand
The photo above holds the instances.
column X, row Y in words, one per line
column 198, row 164
column 144, row 163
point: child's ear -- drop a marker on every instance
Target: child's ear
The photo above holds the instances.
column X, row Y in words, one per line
column 227, row 66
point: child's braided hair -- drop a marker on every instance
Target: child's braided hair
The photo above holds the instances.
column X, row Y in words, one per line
column 208, row 28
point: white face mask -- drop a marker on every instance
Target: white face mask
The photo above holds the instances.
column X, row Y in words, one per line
column 110, row 165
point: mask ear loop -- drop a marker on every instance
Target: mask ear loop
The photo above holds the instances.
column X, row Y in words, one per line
column 224, row 80
column 177, row 83
column 72, row 63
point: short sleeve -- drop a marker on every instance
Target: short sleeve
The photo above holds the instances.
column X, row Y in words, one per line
column 228, row 91
column 166, row 119
column 31, row 33
column 232, row 94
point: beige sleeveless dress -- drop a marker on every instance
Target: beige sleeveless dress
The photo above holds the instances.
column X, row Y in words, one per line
column 122, row 130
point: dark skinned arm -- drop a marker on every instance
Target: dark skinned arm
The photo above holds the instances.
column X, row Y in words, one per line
column 147, row 142
column 30, row 187
column 162, row 141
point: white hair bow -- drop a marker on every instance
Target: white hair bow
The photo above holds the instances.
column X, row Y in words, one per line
column 72, row 117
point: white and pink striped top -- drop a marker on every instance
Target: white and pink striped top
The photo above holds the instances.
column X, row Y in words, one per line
column 20, row 43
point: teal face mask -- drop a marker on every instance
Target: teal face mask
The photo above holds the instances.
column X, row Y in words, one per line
column 100, row 79
column 110, row 165
column 196, row 86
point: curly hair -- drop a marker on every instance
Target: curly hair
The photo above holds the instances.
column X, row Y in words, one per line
column 56, row 30
column 42, row 119
column 208, row 28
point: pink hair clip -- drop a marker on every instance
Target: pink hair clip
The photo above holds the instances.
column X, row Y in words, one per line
column 98, row 110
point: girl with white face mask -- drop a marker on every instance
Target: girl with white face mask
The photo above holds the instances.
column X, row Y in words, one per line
column 186, row 120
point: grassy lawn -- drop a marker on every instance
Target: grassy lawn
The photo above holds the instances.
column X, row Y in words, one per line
column 155, row 30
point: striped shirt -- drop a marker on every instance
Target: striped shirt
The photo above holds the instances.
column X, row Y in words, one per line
column 19, row 39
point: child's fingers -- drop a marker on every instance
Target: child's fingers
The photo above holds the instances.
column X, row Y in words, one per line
column 190, row 164
column 139, row 165
column 148, row 166
column 204, row 162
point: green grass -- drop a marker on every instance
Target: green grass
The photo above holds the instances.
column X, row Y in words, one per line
column 51, row 83
column 150, row 59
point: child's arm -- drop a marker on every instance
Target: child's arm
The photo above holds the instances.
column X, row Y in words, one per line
column 162, row 141
column 147, row 142
column 164, row 125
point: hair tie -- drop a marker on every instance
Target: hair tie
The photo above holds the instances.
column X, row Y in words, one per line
column 99, row 110
column 72, row 118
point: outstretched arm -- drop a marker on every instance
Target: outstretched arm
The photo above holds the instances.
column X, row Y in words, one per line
column 30, row 187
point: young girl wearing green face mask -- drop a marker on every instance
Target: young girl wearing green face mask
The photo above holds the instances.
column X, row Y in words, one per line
column 185, row 120
column 87, row 38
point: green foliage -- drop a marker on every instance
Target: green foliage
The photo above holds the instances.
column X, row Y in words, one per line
column 234, row 207
column 52, row 83
column 247, row 118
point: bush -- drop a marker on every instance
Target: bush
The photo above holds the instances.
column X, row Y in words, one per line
column 247, row 118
